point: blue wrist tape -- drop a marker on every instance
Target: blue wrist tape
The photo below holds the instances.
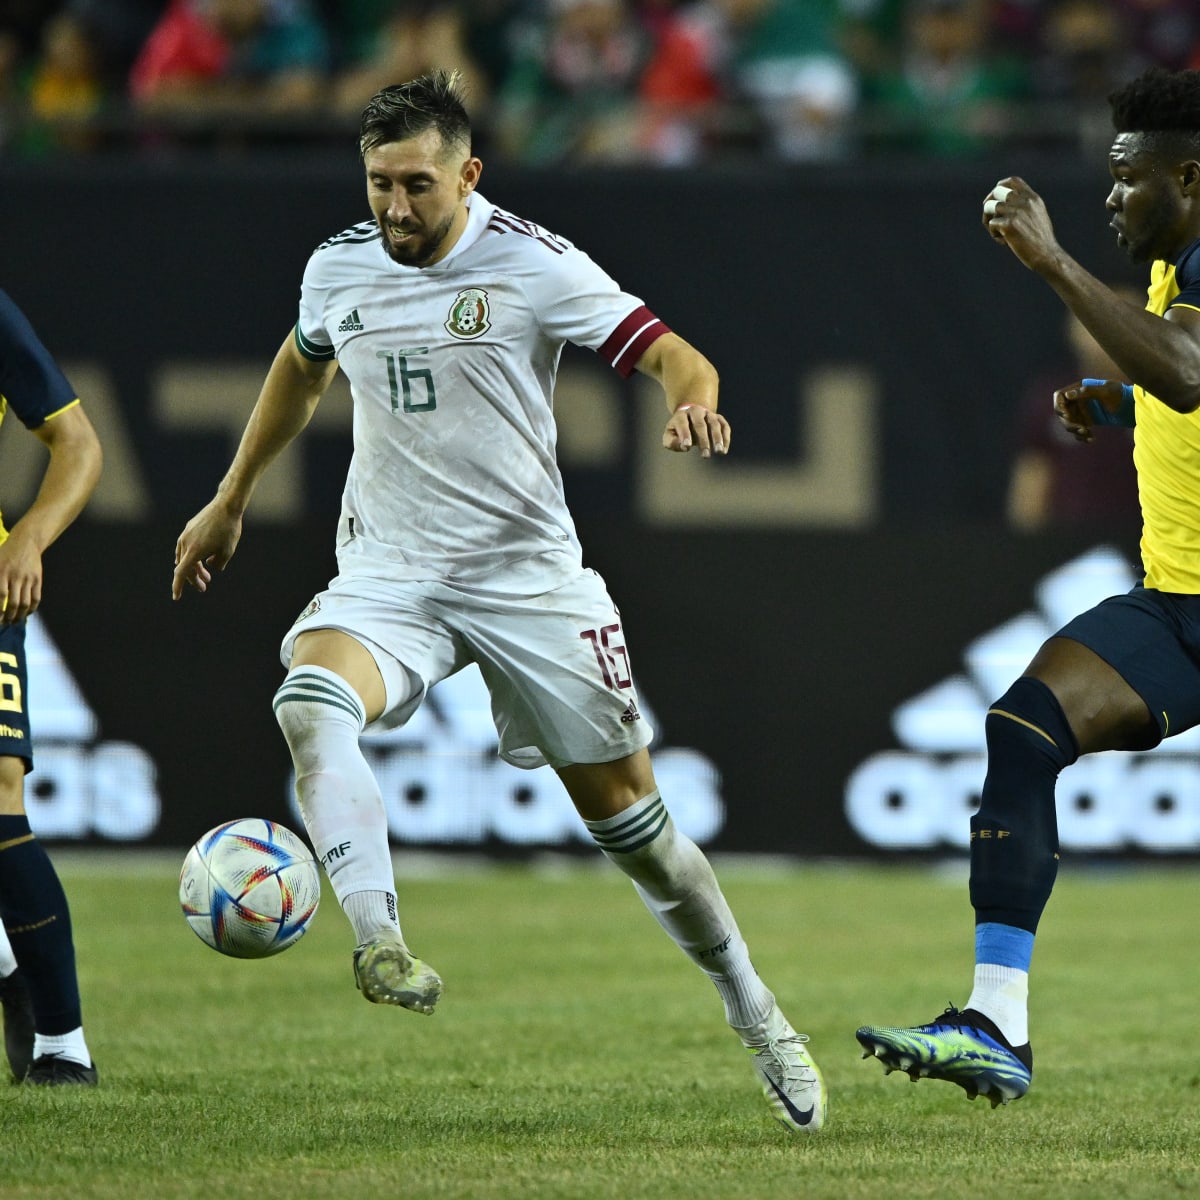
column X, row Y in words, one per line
column 1125, row 414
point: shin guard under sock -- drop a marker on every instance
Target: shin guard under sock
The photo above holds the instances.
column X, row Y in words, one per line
column 677, row 884
column 1014, row 836
column 322, row 717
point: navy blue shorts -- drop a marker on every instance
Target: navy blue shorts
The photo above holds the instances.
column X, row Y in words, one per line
column 15, row 740
column 1152, row 640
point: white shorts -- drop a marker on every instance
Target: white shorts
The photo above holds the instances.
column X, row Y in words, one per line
column 555, row 665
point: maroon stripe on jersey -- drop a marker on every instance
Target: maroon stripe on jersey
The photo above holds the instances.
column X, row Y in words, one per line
column 630, row 340
column 502, row 222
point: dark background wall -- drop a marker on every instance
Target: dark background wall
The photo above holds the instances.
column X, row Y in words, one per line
column 778, row 645
column 779, row 659
column 770, row 272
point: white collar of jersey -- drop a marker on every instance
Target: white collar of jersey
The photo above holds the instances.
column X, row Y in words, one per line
column 479, row 212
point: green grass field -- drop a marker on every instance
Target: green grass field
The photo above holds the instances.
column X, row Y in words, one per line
column 578, row 1054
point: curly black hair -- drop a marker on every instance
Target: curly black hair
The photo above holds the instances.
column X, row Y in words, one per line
column 1160, row 102
column 405, row 110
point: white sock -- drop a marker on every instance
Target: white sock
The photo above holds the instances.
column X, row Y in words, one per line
column 1002, row 994
column 371, row 913
column 65, row 1045
column 8, row 960
column 677, row 884
column 321, row 717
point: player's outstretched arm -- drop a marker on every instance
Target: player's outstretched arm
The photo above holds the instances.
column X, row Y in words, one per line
column 290, row 394
column 70, row 478
column 1160, row 353
column 690, row 384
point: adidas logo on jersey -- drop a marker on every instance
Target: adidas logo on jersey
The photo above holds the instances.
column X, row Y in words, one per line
column 351, row 323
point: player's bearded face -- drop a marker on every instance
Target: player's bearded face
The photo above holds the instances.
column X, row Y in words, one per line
column 416, row 188
column 413, row 247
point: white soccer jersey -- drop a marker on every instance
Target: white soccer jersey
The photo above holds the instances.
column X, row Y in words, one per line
column 452, row 369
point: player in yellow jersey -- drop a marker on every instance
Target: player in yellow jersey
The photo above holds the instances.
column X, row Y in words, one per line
column 39, row 992
column 1125, row 674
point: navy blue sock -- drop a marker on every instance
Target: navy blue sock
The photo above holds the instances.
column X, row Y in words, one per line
column 33, row 907
column 1014, row 835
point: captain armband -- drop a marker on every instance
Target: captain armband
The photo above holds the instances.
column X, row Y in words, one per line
column 1124, row 415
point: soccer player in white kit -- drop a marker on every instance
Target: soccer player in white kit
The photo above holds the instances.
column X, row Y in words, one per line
column 448, row 316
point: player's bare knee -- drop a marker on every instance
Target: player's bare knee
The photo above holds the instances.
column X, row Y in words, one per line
column 605, row 790
column 12, row 786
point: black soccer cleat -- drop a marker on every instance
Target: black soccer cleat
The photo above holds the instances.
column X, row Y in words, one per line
column 52, row 1070
column 18, row 1023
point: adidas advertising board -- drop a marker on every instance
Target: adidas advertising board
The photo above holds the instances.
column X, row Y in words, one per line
column 443, row 783
column 128, row 756
column 921, row 795
column 441, row 779
column 824, row 545
column 81, row 784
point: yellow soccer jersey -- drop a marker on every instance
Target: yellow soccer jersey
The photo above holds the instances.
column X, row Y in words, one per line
column 1166, row 452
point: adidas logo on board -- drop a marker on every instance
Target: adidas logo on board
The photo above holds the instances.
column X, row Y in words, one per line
column 921, row 796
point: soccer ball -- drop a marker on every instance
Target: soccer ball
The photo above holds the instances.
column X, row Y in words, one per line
column 249, row 888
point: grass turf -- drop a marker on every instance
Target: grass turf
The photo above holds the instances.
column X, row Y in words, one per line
column 577, row 1054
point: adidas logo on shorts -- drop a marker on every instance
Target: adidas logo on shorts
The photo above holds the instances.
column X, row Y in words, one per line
column 351, row 323
column 631, row 714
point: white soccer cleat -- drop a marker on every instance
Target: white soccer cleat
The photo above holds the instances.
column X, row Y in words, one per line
column 386, row 973
column 790, row 1080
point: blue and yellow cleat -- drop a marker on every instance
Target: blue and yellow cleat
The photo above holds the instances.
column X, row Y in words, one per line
column 961, row 1047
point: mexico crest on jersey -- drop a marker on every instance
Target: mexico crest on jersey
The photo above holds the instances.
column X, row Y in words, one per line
column 469, row 314
column 314, row 606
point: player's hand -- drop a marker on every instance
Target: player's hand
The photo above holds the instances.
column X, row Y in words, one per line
column 207, row 541
column 20, row 579
column 694, row 425
column 1070, row 405
column 1014, row 214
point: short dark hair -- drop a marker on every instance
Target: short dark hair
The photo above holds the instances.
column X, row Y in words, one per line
column 1163, row 104
column 405, row 110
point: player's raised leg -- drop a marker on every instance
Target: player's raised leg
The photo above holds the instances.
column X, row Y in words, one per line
column 1014, row 855
column 984, row 1048
column 322, row 707
column 626, row 817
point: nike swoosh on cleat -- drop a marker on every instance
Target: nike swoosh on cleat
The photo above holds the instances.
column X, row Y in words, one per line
column 801, row 1118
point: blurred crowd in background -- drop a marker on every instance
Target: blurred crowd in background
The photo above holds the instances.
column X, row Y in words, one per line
column 652, row 82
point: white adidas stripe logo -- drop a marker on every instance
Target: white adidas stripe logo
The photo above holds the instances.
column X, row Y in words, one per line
column 80, row 783
column 948, row 718
column 922, row 796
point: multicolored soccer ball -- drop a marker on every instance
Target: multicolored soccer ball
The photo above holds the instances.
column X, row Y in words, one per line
column 249, row 888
